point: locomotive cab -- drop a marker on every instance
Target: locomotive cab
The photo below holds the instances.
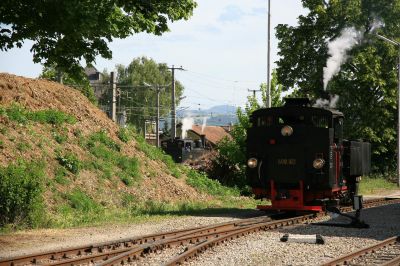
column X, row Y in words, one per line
column 295, row 156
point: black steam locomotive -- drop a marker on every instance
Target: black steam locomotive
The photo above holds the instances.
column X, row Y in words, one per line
column 298, row 159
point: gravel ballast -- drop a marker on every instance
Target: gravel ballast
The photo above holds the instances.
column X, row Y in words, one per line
column 265, row 248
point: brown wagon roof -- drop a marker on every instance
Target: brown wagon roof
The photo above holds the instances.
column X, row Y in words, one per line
column 213, row 133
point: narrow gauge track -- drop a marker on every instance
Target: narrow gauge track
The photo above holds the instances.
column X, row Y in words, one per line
column 385, row 253
column 105, row 250
column 197, row 239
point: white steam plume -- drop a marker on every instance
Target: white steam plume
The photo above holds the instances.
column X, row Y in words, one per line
column 324, row 103
column 187, row 124
column 338, row 49
column 334, row 101
column 204, row 124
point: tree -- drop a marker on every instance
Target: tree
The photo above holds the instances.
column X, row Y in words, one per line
column 79, row 82
column 64, row 32
column 366, row 83
column 138, row 98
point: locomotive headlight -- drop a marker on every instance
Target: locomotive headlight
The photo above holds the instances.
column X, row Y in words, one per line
column 252, row 162
column 287, row 131
column 318, row 163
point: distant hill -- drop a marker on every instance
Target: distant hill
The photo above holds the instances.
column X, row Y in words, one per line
column 219, row 115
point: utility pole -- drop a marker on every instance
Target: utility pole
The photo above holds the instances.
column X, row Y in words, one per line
column 113, row 109
column 254, row 92
column 268, row 103
column 158, row 118
column 173, row 109
column 158, row 90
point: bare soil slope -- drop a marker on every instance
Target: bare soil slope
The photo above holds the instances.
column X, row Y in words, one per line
column 35, row 141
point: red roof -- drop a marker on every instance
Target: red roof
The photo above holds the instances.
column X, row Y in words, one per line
column 213, row 133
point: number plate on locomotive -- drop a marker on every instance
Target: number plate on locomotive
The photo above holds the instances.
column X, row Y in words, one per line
column 286, row 161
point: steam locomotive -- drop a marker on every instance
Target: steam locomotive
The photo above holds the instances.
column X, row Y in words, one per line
column 297, row 157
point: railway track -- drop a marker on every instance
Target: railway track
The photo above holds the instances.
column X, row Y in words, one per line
column 196, row 241
column 385, row 253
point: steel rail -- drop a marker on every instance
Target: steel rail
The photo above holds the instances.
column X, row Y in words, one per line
column 112, row 248
column 200, row 241
column 212, row 229
column 346, row 259
column 393, row 262
column 106, row 250
column 200, row 248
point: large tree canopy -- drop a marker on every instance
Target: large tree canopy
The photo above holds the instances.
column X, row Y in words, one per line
column 366, row 83
column 64, row 32
column 139, row 99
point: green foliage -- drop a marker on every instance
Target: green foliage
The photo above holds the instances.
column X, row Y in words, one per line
column 144, row 99
column 80, row 201
column 60, row 135
column 123, row 135
column 110, row 162
column 23, row 146
column 53, row 117
column 21, row 190
column 130, row 169
column 65, row 32
column 103, row 138
column 70, row 161
column 61, row 176
column 367, row 81
column 154, row 153
column 201, row 182
column 20, row 114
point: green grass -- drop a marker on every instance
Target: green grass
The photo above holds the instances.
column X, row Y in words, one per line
column 201, row 182
column 125, row 135
column 102, row 137
column 375, row 184
column 155, row 153
column 109, row 161
column 70, row 161
column 61, row 176
column 20, row 114
column 23, row 146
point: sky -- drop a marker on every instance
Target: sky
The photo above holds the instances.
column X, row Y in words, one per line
column 222, row 47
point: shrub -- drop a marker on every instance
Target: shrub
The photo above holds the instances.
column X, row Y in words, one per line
column 21, row 187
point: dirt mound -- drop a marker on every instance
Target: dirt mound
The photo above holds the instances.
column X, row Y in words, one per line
column 39, row 141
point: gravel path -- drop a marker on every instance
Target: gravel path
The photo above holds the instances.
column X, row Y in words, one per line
column 263, row 248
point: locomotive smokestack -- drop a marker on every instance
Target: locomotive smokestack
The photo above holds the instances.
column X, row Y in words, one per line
column 203, row 140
